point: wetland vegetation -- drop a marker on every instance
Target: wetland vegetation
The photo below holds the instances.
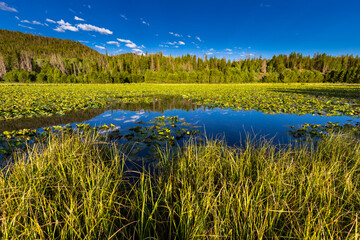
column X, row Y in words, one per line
column 275, row 157
column 163, row 178
column 80, row 187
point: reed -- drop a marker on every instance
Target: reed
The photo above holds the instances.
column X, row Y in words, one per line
column 80, row 187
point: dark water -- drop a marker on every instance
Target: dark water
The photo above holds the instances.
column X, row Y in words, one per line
column 233, row 126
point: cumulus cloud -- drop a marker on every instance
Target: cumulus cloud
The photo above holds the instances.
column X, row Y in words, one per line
column 5, row 7
column 129, row 43
column 63, row 26
column 79, row 19
column 124, row 40
column 25, row 26
column 33, row 22
column 228, row 49
column 36, row 23
column 88, row 27
column 114, row 43
column 139, row 51
column 50, row 21
column 175, row 34
column 210, row 52
column 176, row 44
column 100, row 47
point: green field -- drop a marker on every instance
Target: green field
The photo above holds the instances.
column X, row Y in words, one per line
column 82, row 185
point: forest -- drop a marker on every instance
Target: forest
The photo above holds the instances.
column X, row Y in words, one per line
column 28, row 58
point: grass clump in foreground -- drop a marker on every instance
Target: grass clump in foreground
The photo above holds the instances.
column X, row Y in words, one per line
column 78, row 188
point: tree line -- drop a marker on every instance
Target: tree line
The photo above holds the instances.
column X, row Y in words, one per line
column 30, row 58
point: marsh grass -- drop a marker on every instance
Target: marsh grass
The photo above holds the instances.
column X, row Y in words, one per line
column 79, row 187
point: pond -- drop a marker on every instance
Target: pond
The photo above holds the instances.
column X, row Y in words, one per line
column 232, row 126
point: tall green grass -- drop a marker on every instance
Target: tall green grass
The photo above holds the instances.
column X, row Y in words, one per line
column 79, row 187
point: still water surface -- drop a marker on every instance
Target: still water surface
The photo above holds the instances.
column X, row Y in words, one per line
column 231, row 125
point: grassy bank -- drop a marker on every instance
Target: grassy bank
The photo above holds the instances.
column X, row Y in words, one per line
column 79, row 188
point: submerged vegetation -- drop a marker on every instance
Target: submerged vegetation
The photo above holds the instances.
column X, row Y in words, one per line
column 80, row 187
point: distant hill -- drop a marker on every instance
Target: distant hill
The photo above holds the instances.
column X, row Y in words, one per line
column 31, row 58
column 39, row 46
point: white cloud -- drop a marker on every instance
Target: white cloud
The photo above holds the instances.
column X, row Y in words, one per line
column 139, row 51
column 198, row 39
column 50, row 21
column 176, row 44
column 88, row 27
column 79, row 19
column 25, row 26
column 63, row 26
column 83, row 41
column 17, row 17
column 123, row 16
column 188, row 36
column 59, row 29
column 228, row 49
column 100, row 47
column 175, row 34
column 144, row 22
column 131, row 45
column 5, row 7
column 33, row 22
column 124, row 40
column 114, row 43
column 37, row 23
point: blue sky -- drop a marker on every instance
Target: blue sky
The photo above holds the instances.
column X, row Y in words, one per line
column 234, row 29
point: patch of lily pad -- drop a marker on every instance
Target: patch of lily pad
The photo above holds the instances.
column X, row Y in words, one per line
column 307, row 131
column 145, row 137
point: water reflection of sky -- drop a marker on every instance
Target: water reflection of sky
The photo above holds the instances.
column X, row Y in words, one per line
column 234, row 125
